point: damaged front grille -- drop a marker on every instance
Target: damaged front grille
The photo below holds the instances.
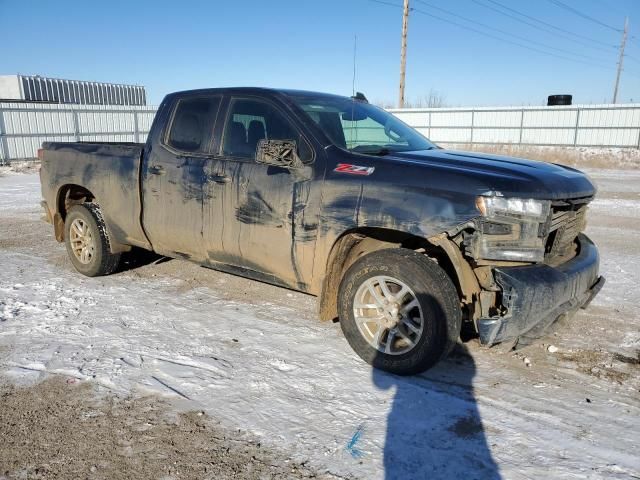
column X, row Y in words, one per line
column 566, row 221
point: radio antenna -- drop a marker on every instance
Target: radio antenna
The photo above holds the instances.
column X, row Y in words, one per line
column 354, row 126
column 353, row 85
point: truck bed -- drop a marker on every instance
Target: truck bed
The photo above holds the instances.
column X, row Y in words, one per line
column 110, row 170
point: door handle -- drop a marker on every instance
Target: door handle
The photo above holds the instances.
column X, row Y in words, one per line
column 217, row 178
column 157, row 170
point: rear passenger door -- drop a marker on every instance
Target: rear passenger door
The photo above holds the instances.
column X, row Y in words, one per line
column 174, row 175
column 264, row 214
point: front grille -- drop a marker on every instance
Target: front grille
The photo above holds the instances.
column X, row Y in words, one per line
column 566, row 221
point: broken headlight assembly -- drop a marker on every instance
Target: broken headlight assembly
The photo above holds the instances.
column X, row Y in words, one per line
column 509, row 229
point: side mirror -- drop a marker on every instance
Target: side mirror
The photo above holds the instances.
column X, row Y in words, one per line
column 281, row 153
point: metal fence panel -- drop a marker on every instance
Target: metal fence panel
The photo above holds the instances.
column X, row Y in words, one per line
column 24, row 126
column 604, row 125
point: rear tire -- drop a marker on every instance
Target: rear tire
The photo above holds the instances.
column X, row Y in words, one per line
column 87, row 241
column 411, row 299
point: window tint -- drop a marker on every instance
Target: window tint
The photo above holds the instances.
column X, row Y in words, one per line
column 250, row 121
column 193, row 122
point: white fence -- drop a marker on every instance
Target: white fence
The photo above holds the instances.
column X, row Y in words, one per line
column 24, row 126
column 572, row 126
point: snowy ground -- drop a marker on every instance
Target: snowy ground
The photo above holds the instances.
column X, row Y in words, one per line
column 255, row 358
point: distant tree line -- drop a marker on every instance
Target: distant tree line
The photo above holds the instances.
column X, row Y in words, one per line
column 433, row 99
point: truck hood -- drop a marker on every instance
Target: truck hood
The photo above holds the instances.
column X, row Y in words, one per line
column 501, row 175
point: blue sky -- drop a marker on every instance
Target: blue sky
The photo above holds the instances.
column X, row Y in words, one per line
column 306, row 44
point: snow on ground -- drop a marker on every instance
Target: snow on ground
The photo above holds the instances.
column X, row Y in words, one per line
column 269, row 368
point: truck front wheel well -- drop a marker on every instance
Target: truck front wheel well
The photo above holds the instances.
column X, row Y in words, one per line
column 356, row 243
column 68, row 196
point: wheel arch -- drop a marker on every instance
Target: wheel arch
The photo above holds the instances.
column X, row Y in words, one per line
column 68, row 195
column 355, row 243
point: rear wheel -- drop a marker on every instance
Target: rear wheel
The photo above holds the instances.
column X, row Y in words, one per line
column 399, row 311
column 87, row 241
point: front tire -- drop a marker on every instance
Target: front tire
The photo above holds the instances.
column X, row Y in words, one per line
column 399, row 311
column 87, row 241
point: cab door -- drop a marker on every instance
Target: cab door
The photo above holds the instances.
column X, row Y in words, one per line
column 174, row 176
column 266, row 215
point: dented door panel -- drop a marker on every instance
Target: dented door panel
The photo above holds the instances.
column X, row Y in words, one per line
column 173, row 189
column 268, row 219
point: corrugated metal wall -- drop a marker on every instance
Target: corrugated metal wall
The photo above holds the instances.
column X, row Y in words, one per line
column 576, row 125
column 57, row 90
column 24, row 126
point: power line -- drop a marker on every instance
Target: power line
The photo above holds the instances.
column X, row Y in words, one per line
column 549, row 27
column 387, row 3
column 534, row 49
column 495, row 37
column 504, row 32
column 612, row 6
column 583, row 15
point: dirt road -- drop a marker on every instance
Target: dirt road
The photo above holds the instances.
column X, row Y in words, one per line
column 254, row 358
column 60, row 429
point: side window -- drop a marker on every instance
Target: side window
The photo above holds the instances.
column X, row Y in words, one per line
column 250, row 121
column 193, row 121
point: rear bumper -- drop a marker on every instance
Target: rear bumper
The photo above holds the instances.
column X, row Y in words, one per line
column 536, row 296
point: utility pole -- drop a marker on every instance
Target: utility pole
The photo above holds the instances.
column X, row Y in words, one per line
column 621, row 59
column 403, row 52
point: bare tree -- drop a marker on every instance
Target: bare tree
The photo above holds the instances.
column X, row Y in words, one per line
column 434, row 99
column 386, row 104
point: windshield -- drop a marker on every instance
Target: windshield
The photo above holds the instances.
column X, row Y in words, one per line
column 360, row 127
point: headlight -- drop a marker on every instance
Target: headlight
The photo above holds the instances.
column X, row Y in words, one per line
column 510, row 229
column 514, row 207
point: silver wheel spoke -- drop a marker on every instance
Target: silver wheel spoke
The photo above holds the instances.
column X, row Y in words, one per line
column 402, row 293
column 81, row 240
column 409, row 324
column 392, row 323
column 389, row 343
column 385, row 290
column 406, row 337
column 361, row 320
column 365, row 305
column 372, row 290
column 410, row 306
column 378, row 336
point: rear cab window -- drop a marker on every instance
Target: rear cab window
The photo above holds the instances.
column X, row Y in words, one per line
column 192, row 124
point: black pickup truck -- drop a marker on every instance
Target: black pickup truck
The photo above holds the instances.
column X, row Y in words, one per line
column 407, row 244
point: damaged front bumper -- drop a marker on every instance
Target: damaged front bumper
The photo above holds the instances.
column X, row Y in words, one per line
column 535, row 296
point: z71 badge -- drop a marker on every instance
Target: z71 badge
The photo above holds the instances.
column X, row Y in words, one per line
column 354, row 169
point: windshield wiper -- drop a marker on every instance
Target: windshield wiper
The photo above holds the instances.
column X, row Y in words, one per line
column 381, row 152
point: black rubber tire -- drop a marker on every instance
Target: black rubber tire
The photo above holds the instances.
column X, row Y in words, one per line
column 103, row 262
column 438, row 300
